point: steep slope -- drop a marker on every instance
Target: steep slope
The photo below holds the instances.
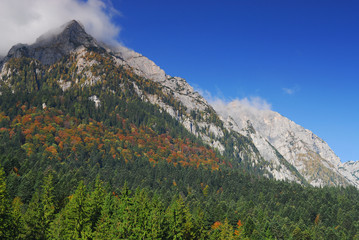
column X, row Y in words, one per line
column 84, row 69
column 81, row 117
column 309, row 154
column 261, row 142
column 202, row 121
column 190, row 100
column 172, row 94
column 279, row 167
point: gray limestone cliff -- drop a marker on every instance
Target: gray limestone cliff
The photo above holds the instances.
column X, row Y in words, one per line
column 309, row 154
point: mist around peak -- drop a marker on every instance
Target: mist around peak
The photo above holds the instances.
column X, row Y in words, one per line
column 24, row 21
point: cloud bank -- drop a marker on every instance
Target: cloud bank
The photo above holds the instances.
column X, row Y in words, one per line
column 22, row 21
column 240, row 110
column 251, row 104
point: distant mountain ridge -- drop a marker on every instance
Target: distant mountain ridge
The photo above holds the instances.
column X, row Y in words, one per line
column 266, row 141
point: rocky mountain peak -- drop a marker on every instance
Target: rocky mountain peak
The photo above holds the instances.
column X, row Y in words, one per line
column 71, row 34
column 55, row 44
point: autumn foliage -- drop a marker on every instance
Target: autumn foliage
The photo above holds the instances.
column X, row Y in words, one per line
column 57, row 136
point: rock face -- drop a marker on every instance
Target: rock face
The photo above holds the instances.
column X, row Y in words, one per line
column 263, row 139
column 278, row 166
column 351, row 170
column 310, row 155
column 269, row 157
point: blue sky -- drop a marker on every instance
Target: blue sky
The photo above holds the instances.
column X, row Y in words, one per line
column 302, row 57
column 299, row 56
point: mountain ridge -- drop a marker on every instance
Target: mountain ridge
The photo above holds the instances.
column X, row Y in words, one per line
column 297, row 144
column 243, row 140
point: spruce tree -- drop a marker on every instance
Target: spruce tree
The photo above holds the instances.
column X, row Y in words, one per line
column 74, row 222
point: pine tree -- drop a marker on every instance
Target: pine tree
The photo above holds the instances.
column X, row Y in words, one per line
column 33, row 218
column 17, row 215
column 47, row 204
column 74, row 222
column 95, row 203
column 105, row 228
column 40, row 211
column 179, row 220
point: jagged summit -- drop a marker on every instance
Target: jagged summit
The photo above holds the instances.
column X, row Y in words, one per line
column 55, row 44
column 72, row 31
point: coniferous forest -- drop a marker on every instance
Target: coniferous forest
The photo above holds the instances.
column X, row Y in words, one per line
column 125, row 169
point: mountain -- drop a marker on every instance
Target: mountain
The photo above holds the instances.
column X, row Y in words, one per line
column 288, row 151
column 98, row 142
column 263, row 142
column 88, row 114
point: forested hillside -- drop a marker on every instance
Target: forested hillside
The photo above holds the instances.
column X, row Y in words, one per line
column 122, row 168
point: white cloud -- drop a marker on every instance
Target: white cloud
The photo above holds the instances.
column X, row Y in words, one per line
column 288, row 91
column 219, row 101
column 255, row 102
column 251, row 103
column 242, row 109
column 291, row 91
column 22, row 21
